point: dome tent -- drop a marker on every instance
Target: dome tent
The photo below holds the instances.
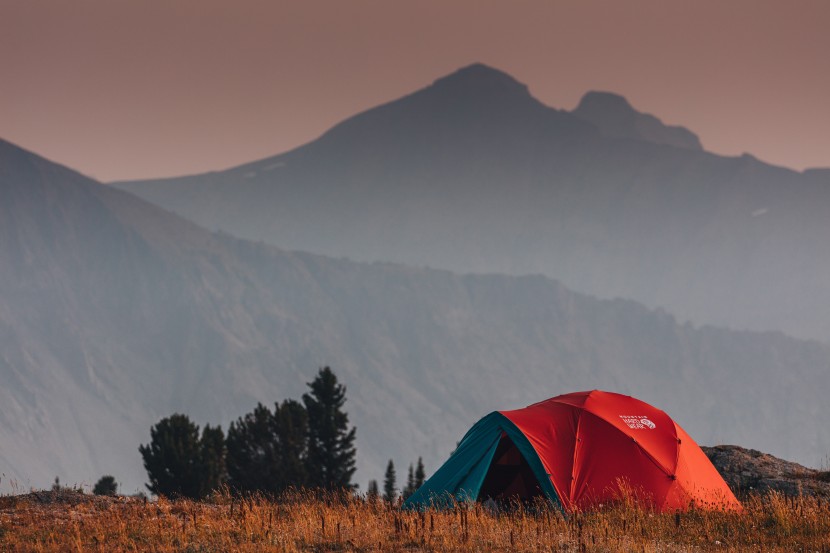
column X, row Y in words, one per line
column 577, row 450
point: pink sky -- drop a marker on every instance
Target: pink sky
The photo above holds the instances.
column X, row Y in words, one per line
column 124, row 89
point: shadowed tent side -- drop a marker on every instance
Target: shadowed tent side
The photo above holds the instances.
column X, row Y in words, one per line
column 463, row 476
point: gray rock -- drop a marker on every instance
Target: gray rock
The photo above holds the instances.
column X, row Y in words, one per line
column 749, row 470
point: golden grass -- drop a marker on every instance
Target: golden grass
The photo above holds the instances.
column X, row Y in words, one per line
column 302, row 522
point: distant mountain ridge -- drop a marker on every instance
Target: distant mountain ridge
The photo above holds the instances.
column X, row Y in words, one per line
column 115, row 313
column 614, row 117
column 473, row 174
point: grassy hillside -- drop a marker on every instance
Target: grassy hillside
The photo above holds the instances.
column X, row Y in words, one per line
column 45, row 523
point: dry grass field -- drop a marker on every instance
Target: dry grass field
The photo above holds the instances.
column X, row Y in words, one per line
column 70, row 521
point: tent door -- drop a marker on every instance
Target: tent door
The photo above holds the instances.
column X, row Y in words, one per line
column 509, row 476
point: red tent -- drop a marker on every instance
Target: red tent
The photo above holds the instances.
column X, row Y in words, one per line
column 579, row 449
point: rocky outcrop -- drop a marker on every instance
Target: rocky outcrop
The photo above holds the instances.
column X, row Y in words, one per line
column 614, row 117
column 749, row 470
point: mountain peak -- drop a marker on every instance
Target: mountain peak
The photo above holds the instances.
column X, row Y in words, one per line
column 479, row 77
column 596, row 101
column 614, row 116
column 474, row 106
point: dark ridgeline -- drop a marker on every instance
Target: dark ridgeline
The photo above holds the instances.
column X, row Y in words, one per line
column 473, row 174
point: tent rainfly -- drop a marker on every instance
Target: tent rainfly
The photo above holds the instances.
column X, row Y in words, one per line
column 580, row 450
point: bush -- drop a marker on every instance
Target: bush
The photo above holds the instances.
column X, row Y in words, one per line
column 106, row 485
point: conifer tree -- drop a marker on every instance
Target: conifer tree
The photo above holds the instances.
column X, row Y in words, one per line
column 172, row 457
column 212, row 457
column 420, row 475
column 291, row 430
column 331, row 451
column 267, row 451
column 389, row 489
column 409, row 489
column 372, row 492
column 252, row 454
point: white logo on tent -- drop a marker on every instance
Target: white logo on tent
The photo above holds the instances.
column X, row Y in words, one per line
column 638, row 422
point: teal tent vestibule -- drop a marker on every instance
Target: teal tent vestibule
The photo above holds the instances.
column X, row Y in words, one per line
column 471, row 474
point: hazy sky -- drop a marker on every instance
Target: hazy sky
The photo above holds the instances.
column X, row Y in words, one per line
column 139, row 88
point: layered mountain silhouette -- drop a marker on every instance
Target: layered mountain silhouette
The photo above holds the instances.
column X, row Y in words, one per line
column 115, row 313
column 473, row 174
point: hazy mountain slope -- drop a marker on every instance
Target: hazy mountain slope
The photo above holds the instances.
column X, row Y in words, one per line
column 473, row 174
column 114, row 313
